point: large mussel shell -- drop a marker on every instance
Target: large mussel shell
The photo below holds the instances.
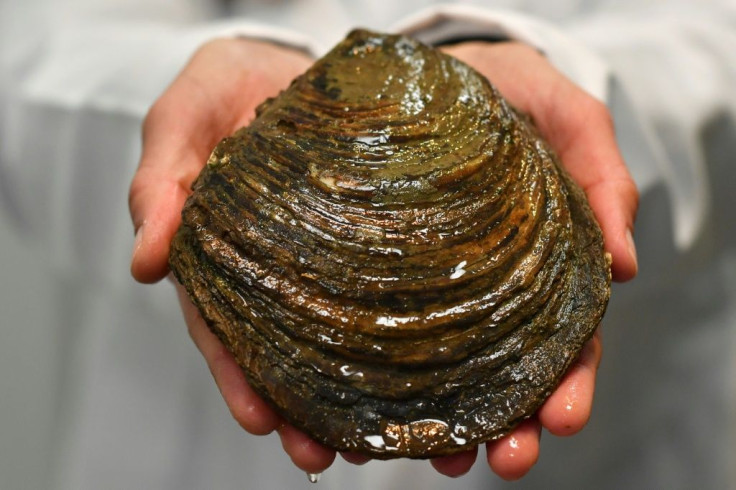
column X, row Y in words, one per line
column 392, row 254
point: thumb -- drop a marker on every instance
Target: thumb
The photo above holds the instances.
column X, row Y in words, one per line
column 153, row 201
column 216, row 93
column 178, row 134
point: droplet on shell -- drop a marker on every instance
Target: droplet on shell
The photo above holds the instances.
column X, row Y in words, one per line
column 404, row 278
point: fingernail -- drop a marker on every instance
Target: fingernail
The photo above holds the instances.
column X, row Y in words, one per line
column 138, row 243
column 632, row 248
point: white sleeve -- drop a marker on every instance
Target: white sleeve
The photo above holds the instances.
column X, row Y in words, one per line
column 73, row 92
column 662, row 71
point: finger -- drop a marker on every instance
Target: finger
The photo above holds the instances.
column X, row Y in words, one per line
column 250, row 411
column 175, row 147
column 355, row 458
column 455, row 465
column 585, row 141
column 614, row 204
column 154, row 197
column 253, row 414
column 568, row 409
column 512, row 456
column 306, row 453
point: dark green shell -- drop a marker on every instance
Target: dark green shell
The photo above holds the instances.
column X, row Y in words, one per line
column 393, row 255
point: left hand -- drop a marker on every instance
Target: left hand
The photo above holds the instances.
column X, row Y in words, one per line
column 580, row 130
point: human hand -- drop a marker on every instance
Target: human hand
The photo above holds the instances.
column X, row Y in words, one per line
column 580, row 129
column 215, row 94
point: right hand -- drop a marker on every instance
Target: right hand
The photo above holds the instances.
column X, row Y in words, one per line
column 215, row 94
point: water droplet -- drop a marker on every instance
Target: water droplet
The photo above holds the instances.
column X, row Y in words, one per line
column 314, row 477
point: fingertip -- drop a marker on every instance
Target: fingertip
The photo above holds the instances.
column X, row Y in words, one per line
column 355, row 458
column 252, row 413
column 306, row 453
column 138, row 249
column 614, row 204
column 156, row 212
column 568, row 409
column 512, row 456
column 148, row 265
column 626, row 266
column 457, row 464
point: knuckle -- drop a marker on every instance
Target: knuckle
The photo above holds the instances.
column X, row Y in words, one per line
column 137, row 193
column 241, row 415
column 625, row 188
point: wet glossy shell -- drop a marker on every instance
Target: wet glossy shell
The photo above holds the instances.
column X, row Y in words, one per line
column 393, row 255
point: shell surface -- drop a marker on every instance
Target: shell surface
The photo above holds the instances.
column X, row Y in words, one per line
column 392, row 254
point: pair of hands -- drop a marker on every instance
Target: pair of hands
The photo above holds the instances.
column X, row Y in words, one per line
column 217, row 93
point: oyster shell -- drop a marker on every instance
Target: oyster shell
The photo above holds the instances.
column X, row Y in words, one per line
column 392, row 254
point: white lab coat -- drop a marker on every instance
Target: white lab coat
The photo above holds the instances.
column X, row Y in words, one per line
column 101, row 387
